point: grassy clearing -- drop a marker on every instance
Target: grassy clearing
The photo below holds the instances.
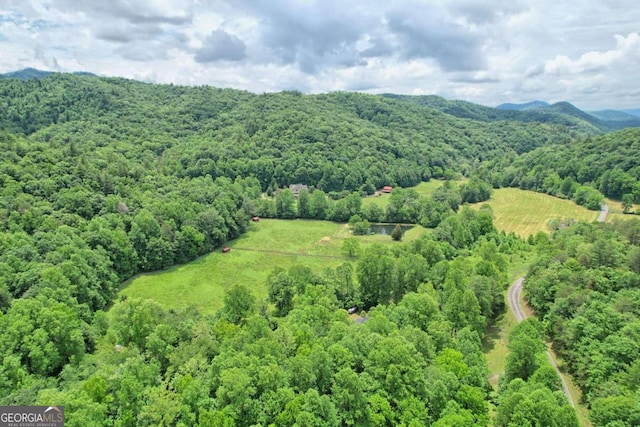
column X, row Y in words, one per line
column 424, row 189
column 267, row 245
column 429, row 187
column 525, row 212
column 615, row 210
column 382, row 200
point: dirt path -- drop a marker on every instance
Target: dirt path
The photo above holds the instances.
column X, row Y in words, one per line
column 514, row 303
column 604, row 211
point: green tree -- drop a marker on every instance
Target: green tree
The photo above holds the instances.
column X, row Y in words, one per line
column 362, row 228
column 281, row 291
column 525, row 350
column 319, row 205
column 304, row 204
column 42, row 333
column 239, row 303
column 351, row 247
column 375, row 276
column 285, row 204
column 627, row 203
column 396, row 234
column 349, row 397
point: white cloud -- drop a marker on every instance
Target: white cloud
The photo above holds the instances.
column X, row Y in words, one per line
column 487, row 52
column 627, row 49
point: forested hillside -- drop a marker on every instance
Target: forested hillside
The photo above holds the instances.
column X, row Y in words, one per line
column 334, row 141
column 585, row 286
column 608, row 163
column 561, row 113
column 105, row 178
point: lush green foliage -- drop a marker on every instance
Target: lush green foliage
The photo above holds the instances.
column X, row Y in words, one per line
column 531, row 391
column 104, row 178
column 333, row 142
column 584, row 286
column 607, row 163
column 413, row 362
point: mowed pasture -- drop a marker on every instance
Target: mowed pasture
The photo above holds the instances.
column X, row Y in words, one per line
column 527, row 213
column 616, row 210
column 268, row 244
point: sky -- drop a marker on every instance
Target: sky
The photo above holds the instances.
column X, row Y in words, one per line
column 482, row 51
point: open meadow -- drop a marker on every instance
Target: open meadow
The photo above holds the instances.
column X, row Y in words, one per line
column 616, row 210
column 526, row 212
column 268, row 244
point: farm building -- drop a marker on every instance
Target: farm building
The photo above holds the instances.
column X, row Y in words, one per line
column 387, row 189
column 297, row 188
column 226, row 249
column 255, row 219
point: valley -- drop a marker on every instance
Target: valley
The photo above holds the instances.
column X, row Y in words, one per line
column 174, row 255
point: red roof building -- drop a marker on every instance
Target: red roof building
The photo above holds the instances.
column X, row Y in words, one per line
column 226, row 249
column 387, row 189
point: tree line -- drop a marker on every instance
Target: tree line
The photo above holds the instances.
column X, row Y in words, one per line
column 584, row 285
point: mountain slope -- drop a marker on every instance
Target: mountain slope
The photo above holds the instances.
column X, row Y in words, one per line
column 336, row 141
column 612, row 115
column 32, row 73
column 609, row 163
column 521, row 107
column 559, row 114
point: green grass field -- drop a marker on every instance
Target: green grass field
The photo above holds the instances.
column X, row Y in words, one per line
column 525, row 212
column 615, row 210
column 267, row 245
column 424, row 189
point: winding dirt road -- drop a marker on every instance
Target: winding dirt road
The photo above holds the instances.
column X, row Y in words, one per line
column 513, row 297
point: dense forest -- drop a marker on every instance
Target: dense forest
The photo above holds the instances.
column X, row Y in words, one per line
column 585, row 286
column 105, row 178
column 608, row 163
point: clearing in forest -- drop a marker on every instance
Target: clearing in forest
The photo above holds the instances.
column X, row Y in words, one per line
column 426, row 188
column 527, row 213
column 268, row 244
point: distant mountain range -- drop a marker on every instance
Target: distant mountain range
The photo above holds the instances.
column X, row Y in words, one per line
column 521, row 107
column 32, row 73
column 562, row 113
column 615, row 115
column 635, row 112
column 606, row 119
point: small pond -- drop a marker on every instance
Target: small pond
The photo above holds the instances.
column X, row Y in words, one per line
column 386, row 229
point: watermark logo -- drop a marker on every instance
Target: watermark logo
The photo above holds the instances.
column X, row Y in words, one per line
column 31, row 416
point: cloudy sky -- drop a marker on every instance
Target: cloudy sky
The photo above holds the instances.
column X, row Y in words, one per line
column 484, row 51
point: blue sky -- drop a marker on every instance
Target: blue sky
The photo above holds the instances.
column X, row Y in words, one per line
column 488, row 52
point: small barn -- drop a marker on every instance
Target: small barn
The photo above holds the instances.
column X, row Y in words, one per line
column 387, row 189
column 255, row 219
column 226, row 249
